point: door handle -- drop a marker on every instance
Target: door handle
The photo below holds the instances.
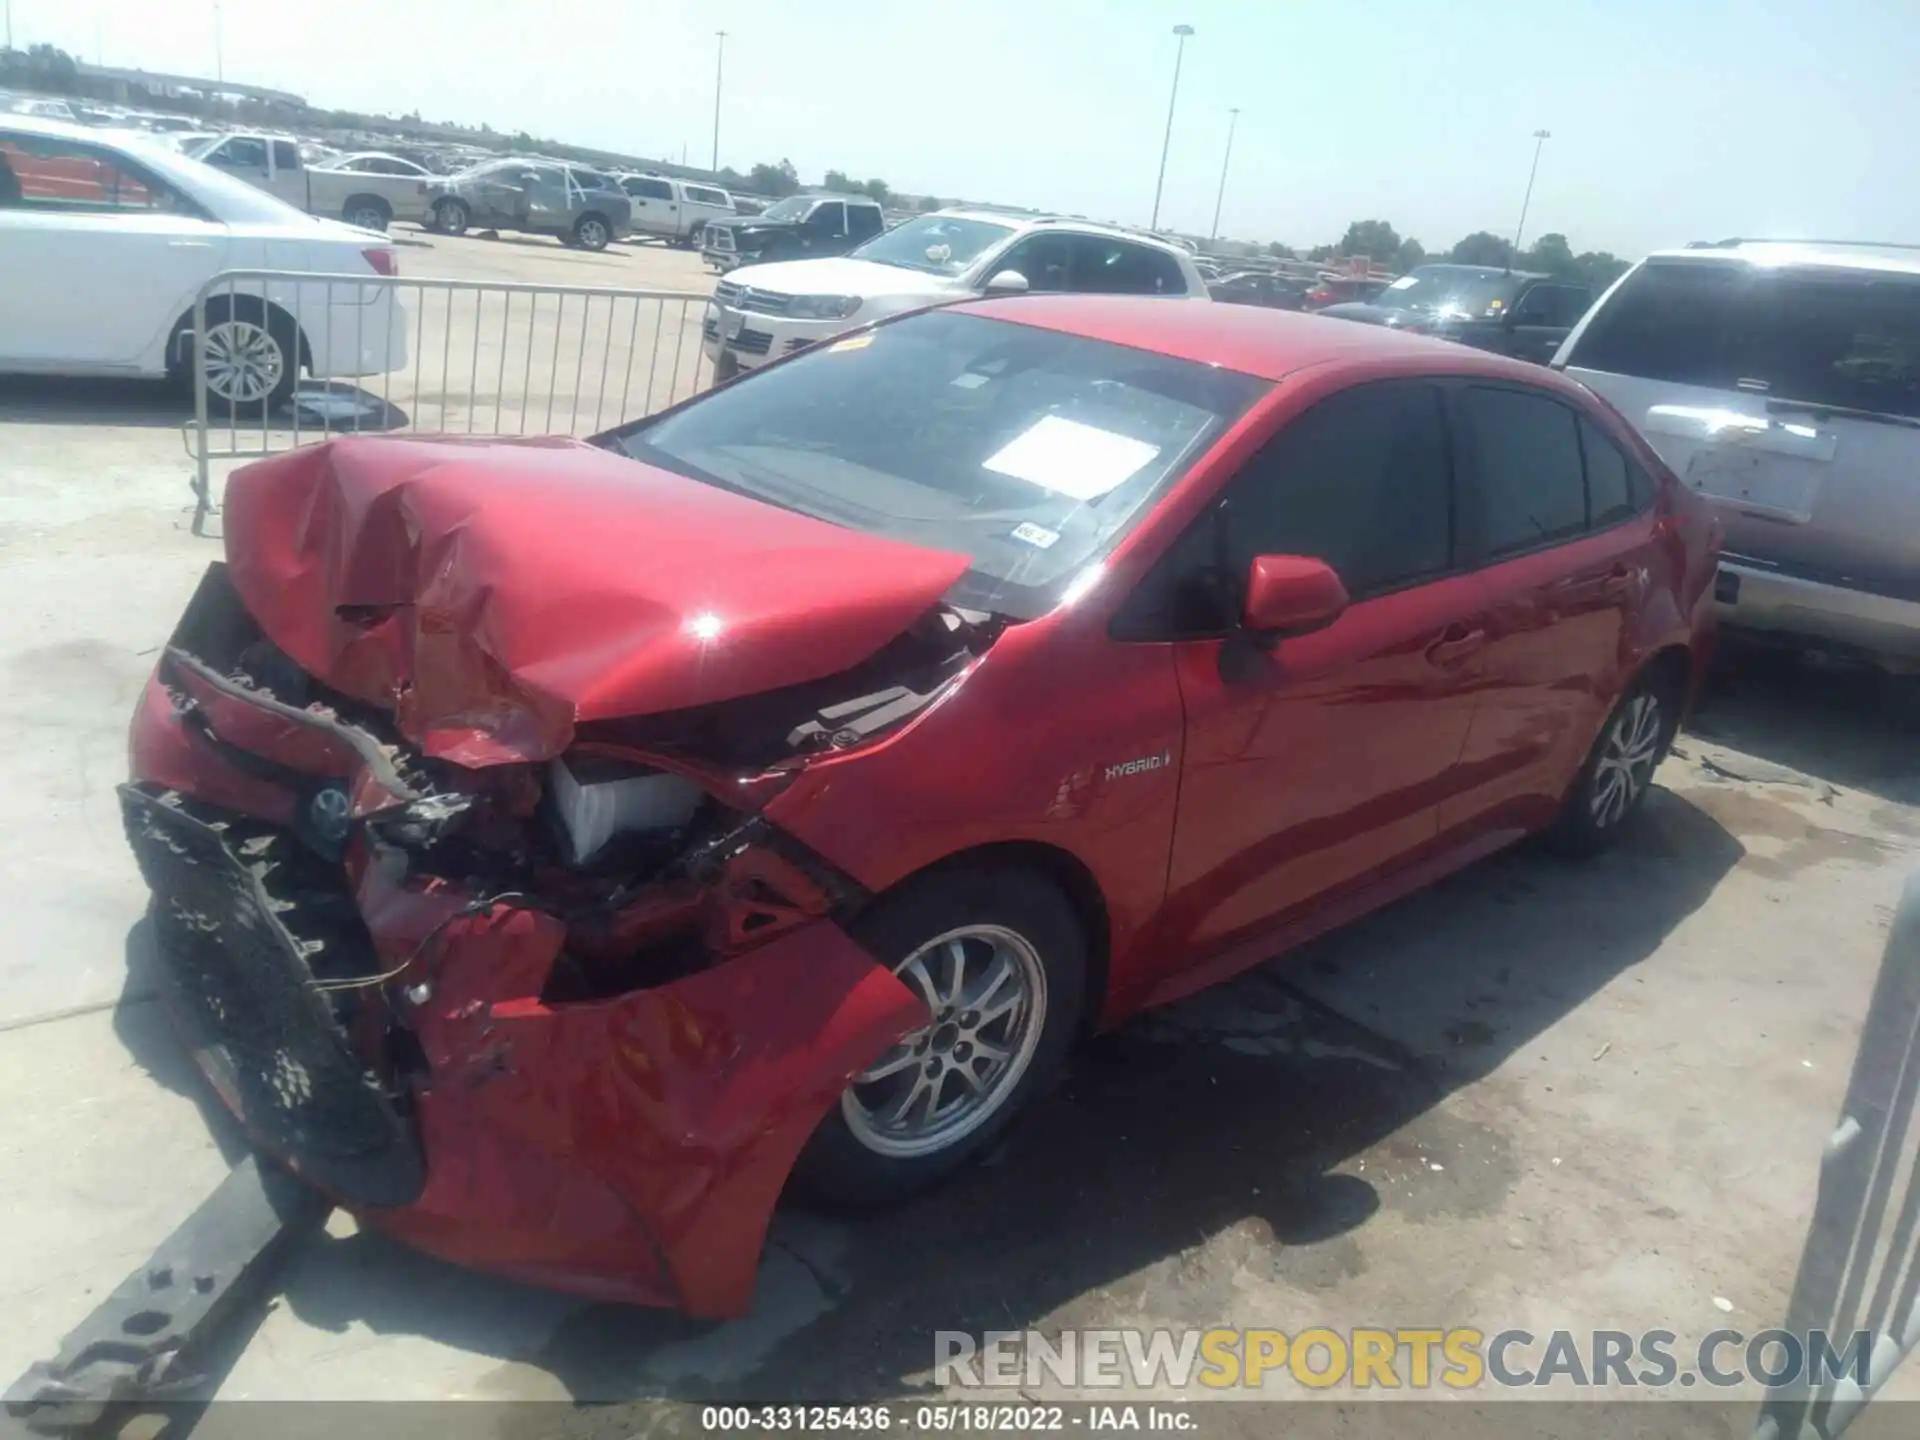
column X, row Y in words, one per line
column 1455, row 645
column 189, row 244
column 1619, row 583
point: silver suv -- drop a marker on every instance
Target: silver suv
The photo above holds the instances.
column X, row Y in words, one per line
column 578, row 207
column 1781, row 379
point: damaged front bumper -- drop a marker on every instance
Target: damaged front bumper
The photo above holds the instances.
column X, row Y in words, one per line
column 477, row 1070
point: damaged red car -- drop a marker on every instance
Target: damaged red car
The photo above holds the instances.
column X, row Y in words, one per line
column 558, row 849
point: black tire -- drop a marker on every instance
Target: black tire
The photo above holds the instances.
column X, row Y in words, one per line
column 841, row 1164
column 725, row 368
column 592, row 232
column 251, row 335
column 1593, row 815
column 367, row 212
column 452, row 216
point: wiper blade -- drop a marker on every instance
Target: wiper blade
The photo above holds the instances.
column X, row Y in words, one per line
column 1821, row 412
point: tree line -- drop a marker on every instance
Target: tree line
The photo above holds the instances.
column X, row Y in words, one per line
column 1552, row 254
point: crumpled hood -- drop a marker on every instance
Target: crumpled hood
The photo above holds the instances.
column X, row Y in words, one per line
column 494, row 594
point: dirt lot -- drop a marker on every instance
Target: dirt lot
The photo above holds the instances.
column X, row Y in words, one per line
column 1540, row 1095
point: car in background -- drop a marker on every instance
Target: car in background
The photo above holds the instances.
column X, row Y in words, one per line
column 44, row 109
column 1256, row 287
column 1781, row 380
column 1340, row 290
column 579, row 207
column 761, row 312
column 799, row 227
column 368, row 199
column 766, row 796
column 136, row 230
column 674, row 210
column 1509, row 312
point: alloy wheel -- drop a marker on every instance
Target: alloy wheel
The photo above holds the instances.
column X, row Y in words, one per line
column 1627, row 758
column 244, row 363
column 367, row 217
column 593, row 235
column 986, row 993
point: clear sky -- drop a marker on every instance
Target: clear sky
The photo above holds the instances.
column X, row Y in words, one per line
column 1672, row 120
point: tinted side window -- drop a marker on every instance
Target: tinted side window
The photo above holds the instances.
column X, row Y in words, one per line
column 1042, row 259
column 699, row 195
column 1610, row 491
column 644, row 189
column 1362, row 481
column 1529, row 488
column 1115, row 267
column 1677, row 320
column 863, row 221
column 829, row 218
column 286, row 155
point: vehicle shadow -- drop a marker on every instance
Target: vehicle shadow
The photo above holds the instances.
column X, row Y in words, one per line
column 59, row 400
column 1848, row 726
column 1239, row 1110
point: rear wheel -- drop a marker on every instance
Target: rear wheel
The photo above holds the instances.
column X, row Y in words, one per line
column 1619, row 769
column 251, row 358
column 591, row 232
column 451, row 217
column 367, row 212
column 998, row 958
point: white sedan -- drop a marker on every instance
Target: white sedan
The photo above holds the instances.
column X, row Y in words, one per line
column 105, row 241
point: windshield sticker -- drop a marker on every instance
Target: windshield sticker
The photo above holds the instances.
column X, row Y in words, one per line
column 969, row 380
column 1404, row 282
column 1071, row 459
column 1036, row 535
column 852, row 342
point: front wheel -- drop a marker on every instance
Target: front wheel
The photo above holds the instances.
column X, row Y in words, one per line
column 998, row 958
column 592, row 233
column 365, row 214
column 1619, row 769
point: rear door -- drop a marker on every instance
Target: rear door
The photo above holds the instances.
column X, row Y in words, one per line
column 1541, row 318
column 99, row 257
column 824, row 231
column 1320, row 765
column 1561, row 522
column 1790, row 396
column 288, row 177
column 655, row 210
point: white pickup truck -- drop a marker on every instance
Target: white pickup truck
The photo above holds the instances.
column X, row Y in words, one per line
column 363, row 197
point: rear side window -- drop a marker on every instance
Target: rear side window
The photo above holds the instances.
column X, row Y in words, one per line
column 1117, row 267
column 1849, row 341
column 863, row 221
column 1530, row 487
column 644, row 189
column 286, row 155
column 1611, row 495
column 1361, row 481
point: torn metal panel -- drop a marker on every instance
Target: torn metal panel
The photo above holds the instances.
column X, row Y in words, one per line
column 143, row 1341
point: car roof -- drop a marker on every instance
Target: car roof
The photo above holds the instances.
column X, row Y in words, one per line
column 1267, row 344
column 1838, row 254
column 1044, row 220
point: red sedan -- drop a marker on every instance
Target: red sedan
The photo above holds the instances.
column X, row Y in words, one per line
column 557, row 848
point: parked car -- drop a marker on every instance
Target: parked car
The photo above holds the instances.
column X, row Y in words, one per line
column 1509, row 312
column 364, row 198
column 1782, row 381
column 799, row 227
column 1340, row 290
column 761, row 312
column 1256, row 287
column 135, row 231
column 573, row 820
column 674, row 210
column 578, row 207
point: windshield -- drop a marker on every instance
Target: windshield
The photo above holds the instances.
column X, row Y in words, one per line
column 794, row 207
column 1029, row 450
column 936, row 244
column 1441, row 290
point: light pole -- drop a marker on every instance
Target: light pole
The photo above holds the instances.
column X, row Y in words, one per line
column 219, row 60
column 719, row 66
column 1183, row 31
column 1540, row 138
column 1233, row 119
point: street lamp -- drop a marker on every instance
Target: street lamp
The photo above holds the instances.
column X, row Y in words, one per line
column 719, row 66
column 219, row 61
column 1233, row 119
column 1183, row 31
column 1540, row 138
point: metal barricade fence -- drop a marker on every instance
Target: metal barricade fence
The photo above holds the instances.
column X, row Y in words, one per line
column 424, row 356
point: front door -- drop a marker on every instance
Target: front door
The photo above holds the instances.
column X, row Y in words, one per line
column 1321, row 765
column 1562, row 522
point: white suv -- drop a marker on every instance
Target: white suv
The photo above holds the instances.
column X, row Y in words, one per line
column 761, row 312
column 1781, row 379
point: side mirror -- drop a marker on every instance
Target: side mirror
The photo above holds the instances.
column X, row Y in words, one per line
column 1290, row 595
column 1008, row 282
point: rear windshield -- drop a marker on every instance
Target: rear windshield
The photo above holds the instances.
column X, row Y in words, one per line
column 1030, row 450
column 1821, row 337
